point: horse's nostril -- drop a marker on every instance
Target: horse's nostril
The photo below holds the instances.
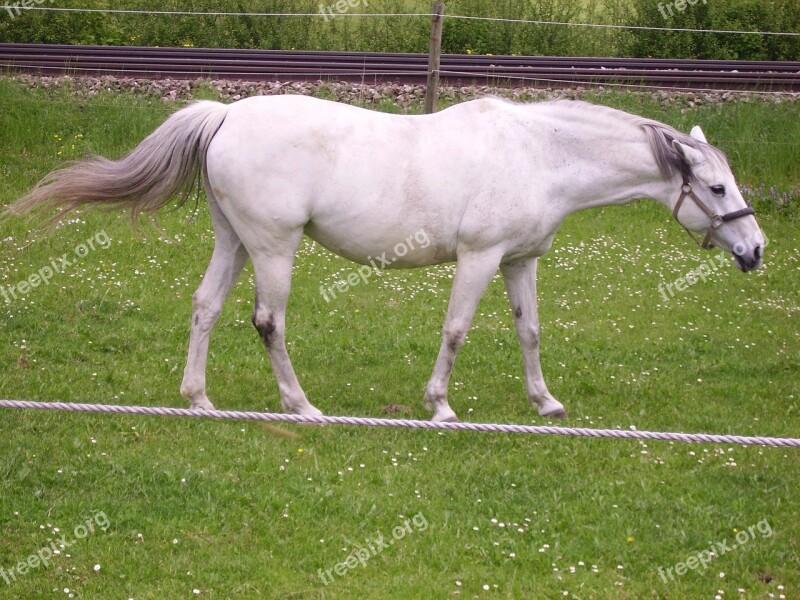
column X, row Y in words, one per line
column 758, row 253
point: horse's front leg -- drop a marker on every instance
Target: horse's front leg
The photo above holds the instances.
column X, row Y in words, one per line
column 474, row 271
column 520, row 280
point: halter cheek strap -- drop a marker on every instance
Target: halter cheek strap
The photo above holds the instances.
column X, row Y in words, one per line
column 717, row 220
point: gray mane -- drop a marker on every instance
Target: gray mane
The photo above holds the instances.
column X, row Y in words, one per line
column 669, row 162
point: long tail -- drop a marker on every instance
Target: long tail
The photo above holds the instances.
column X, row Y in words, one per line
column 166, row 165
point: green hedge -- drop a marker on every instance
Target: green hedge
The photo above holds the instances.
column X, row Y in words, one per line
column 741, row 15
column 397, row 34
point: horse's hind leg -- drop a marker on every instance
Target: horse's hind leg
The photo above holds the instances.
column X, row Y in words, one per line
column 226, row 264
column 520, row 280
column 273, row 272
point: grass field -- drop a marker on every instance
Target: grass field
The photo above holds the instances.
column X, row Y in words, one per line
column 199, row 509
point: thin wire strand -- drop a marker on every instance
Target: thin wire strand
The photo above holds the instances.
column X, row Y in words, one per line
column 324, row 15
column 404, row 423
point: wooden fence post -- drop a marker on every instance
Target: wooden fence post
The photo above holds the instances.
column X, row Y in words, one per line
column 434, row 57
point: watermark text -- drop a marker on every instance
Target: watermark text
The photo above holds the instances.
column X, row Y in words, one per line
column 700, row 560
column 340, row 7
column 376, row 263
column 45, row 554
column 15, row 9
column 707, row 268
column 373, row 547
column 677, row 5
column 57, row 266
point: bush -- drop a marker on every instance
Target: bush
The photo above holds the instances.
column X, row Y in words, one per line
column 742, row 15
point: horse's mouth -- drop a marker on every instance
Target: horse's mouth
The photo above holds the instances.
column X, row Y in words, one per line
column 745, row 265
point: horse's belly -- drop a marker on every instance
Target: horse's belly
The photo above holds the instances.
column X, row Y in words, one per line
column 384, row 247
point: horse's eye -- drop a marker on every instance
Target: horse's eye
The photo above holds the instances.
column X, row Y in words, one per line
column 718, row 190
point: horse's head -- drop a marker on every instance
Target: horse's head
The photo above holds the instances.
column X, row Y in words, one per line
column 702, row 194
column 709, row 202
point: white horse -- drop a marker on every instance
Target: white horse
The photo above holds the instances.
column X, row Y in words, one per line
column 489, row 182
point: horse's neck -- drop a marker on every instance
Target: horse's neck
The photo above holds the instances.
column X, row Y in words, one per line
column 611, row 161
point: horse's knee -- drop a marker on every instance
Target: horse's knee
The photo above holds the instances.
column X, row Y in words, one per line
column 529, row 336
column 454, row 337
column 265, row 323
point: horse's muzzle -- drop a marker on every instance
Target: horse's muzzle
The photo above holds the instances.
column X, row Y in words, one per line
column 749, row 260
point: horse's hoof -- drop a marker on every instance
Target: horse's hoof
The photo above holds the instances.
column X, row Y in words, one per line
column 309, row 411
column 202, row 405
column 445, row 417
column 558, row 414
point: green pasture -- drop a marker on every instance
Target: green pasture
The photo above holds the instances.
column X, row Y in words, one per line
column 181, row 508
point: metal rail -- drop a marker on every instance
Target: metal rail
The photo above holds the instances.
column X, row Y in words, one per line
column 190, row 63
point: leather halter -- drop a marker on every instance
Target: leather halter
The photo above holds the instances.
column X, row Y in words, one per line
column 717, row 220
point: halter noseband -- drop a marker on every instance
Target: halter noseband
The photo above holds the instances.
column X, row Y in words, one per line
column 716, row 220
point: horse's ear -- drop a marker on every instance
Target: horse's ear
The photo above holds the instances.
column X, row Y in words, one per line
column 690, row 156
column 697, row 133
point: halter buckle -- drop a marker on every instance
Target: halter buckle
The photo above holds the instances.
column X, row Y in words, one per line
column 716, row 222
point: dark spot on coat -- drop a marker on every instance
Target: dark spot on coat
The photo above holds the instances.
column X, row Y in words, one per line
column 265, row 329
column 452, row 343
column 518, row 312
